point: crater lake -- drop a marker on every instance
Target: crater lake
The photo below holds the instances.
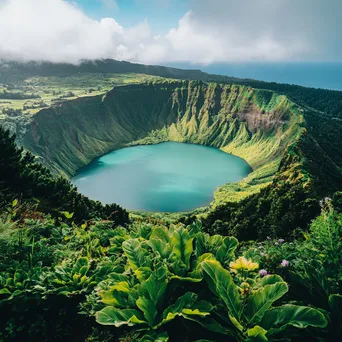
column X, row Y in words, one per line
column 167, row 177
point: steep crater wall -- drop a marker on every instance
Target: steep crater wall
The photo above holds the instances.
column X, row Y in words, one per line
column 256, row 125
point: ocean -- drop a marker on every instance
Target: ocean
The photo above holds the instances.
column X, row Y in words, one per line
column 310, row 74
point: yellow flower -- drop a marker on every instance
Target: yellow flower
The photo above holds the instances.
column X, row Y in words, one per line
column 242, row 264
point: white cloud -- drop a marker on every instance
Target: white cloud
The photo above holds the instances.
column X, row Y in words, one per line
column 215, row 31
column 54, row 30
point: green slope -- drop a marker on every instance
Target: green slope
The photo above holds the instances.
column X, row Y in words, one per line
column 14, row 72
column 254, row 124
column 293, row 146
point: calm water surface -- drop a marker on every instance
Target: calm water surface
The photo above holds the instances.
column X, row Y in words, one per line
column 315, row 74
column 167, row 177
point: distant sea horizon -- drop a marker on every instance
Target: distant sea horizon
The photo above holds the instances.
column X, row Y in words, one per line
column 326, row 75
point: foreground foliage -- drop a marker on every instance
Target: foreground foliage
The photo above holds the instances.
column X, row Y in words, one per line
column 97, row 281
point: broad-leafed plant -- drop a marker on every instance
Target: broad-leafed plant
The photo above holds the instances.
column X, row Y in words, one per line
column 153, row 290
column 247, row 312
column 144, row 295
column 20, row 280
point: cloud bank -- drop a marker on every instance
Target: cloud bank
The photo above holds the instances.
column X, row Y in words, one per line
column 213, row 31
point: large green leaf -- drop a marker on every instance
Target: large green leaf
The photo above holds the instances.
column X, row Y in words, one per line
column 222, row 247
column 262, row 299
column 269, row 280
column 136, row 254
column 201, row 241
column 235, row 322
column 117, row 240
column 186, row 307
column 225, row 287
column 67, row 214
column 195, row 228
column 194, row 312
column 225, row 252
column 161, row 247
column 185, row 301
column 118, row 317
column 118, row 277
column 281, row 317
column 152, row 293
column 5, row 291
column 335, row 304
column 121, row 286
column 148, row 307
column 120, row 295
column 143, row 273
column 112, row 298
column 81, row 266
column 154, row 287
column 186, row 279
column 161, row 233
column 197, row 265
column 256, row 334
column 182, row 246
column 215, row 242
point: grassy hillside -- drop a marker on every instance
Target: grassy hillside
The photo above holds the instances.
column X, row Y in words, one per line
column 327, row 101
column 14, row 72
column 256, row 125
column 31, row 94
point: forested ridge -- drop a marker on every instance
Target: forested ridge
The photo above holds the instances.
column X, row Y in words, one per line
column 327, row 101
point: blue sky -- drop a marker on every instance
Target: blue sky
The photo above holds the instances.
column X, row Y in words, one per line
column 161, row 14
column 196, row 32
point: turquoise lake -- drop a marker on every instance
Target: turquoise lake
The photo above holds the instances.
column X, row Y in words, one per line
column 168, row 177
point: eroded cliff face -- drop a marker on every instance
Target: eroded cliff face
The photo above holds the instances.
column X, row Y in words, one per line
column 254, row 124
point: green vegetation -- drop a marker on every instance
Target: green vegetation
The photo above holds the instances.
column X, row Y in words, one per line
column 98, row 281
column 177, row 111
column 14, row 72
column 282, row 141
column 73, row 276
column 72, row 269
column 276, row 137
column 30, row 95
column 23, row 178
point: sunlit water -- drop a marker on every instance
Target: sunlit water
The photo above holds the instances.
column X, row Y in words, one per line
column 168, row 177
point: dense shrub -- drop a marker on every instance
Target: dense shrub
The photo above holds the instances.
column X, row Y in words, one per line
column 23, row 178
column 154, row 283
